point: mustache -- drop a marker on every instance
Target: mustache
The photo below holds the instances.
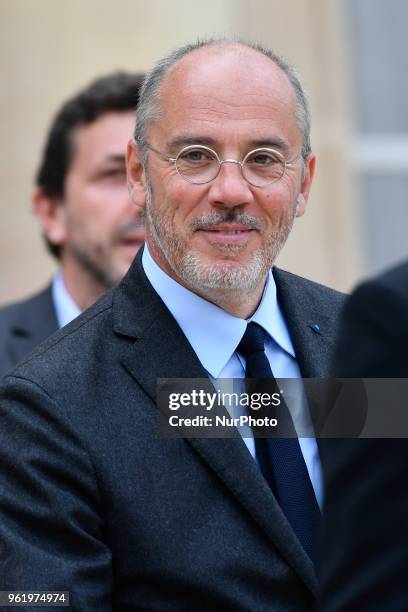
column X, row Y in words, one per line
column 229, row 216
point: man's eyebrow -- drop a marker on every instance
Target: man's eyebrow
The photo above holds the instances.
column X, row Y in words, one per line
column 118, row 158
column 184, row 141
column 193, row 139
column 270, row 143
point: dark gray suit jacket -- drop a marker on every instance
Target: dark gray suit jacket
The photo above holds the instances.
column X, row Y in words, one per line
column 23, row 326
column 365, row 543
column 93, row 501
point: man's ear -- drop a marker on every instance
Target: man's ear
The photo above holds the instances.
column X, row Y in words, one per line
column 306, row 184
column 50, row 211
column 135, row 173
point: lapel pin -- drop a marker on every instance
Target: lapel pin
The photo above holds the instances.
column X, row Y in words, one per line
column 316, row 328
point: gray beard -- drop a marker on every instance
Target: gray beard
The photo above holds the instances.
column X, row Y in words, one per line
column 101, row 274
column 205, row 278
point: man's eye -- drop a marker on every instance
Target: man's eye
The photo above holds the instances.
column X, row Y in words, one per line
column 263, row 159
column 196, row 156
column 114, row 173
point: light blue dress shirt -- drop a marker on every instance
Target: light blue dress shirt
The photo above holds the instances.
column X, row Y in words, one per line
column 65, row 307
column 214, row 335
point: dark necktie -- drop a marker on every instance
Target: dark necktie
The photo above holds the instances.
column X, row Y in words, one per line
column 281, row 459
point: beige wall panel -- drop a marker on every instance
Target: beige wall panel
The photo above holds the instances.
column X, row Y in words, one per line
column 50, row 48
column 312, row 35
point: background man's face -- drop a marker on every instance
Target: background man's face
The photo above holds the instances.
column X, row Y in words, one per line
column 101, row 228
column 227, row 233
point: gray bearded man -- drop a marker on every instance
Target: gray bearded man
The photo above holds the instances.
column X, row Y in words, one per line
column 93, row 501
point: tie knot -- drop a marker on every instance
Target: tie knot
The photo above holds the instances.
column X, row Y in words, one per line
column 252, row 341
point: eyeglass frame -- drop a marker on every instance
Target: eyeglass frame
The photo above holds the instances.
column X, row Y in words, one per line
column 241, row 163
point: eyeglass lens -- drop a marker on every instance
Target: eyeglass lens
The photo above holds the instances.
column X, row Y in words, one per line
column 260, row 167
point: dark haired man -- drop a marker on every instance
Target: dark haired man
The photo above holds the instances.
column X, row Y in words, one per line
column 81, row 200
column 100, row 504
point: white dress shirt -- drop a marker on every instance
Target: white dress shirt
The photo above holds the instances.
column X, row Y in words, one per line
column 65, row 307
column 214, row 334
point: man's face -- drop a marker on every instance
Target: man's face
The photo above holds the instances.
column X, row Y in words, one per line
column 102, row 229
column 224, row 234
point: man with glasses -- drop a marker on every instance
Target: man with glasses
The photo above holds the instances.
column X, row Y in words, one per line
column 106, row 507
column 199, row 164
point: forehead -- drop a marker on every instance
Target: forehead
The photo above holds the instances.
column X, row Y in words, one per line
column 229, row 91
column 107, row 135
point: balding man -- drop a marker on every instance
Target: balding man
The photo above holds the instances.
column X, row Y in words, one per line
column 100, row 504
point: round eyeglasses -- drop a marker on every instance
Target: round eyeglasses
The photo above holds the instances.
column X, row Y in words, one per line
column 199, row 164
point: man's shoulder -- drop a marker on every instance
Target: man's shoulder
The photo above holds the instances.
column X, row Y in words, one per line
column 384, row 293
column 13, row 312
column 312, row 314
column 378, row 307
column 392, row 280
column 72, row 341
column 307, row 289
column 23, row 325
column 93, row 342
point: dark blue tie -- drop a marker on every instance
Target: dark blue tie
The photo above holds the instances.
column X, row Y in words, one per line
column 281, row 459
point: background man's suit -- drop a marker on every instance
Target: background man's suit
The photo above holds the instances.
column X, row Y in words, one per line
column 24, row 325
column 365, row 543
column 99, row 503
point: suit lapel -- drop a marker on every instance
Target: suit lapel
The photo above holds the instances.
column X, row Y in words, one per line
column 313, row 325
column 234, row 466
column 161, row 350
column 34, row 320
column 312, row 322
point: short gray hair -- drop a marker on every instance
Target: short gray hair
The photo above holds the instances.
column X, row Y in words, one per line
column 149, row 108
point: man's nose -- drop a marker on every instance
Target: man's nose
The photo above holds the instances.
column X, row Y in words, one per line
column 230, row 188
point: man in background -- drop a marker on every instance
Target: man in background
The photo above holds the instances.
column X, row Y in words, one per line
column 365, row 527
column 82, row 203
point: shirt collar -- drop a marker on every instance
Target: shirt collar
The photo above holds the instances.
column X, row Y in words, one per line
column 65, row 307
column 213, row 333
column 270, row 317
